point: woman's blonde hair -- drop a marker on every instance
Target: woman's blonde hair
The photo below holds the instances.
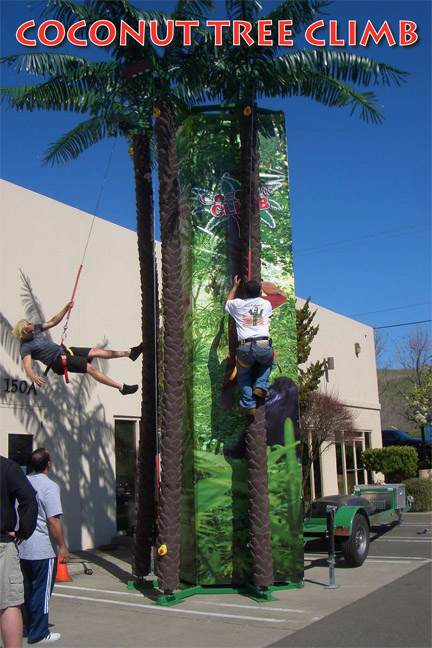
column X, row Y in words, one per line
column 19, row 327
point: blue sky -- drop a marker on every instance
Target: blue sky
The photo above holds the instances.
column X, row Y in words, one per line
column 360, row 194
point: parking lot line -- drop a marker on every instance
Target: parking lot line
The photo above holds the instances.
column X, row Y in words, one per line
column 153, row 608
column 253, row 607
column 214, row 603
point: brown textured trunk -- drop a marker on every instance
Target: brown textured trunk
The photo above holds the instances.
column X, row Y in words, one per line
column 256, row 442
column 172, row 405
column 145, row 513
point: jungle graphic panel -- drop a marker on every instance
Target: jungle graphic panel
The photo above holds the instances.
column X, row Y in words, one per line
column 214, row 520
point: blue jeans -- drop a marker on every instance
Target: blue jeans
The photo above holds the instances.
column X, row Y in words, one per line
column 254, row 365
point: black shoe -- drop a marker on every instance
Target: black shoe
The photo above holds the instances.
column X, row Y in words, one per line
column 128, row 389
column 135, row 352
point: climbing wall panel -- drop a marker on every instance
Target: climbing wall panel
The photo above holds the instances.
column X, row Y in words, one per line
column 215, row 537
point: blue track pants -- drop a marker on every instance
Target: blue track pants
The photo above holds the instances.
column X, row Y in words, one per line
column 39, row 579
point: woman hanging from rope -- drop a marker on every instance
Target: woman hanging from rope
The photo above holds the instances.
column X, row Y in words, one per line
column 36, row 346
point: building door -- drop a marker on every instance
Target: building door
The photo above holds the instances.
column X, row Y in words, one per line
column 348, row 460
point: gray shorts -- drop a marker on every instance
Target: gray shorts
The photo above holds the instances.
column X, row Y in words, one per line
column 11, row 580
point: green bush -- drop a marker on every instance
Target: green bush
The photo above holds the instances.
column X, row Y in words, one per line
column 421, row 491
column 395, row 462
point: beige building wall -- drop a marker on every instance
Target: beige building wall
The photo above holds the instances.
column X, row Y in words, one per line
column 44, row 241
column 42, row 246
column 353, row 380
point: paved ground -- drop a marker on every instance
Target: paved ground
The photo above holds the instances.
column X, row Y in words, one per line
column 385, row 603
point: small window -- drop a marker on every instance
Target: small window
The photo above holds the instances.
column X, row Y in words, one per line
column 20, row 448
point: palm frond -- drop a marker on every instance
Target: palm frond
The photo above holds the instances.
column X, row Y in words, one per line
column 301, row 12
column 344, row 66
column 334, row 93
column 43, row 64
column 32, row 305
column 243, row 9
column 117, row 10
column 9, row 343
column 66, row 12
column 192, row 10
column 80, row 138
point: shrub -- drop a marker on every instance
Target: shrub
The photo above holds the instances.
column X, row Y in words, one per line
column 396, row 462
column 421, row 491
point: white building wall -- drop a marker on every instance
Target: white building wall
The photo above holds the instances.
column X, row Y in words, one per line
column 353, row 379
column 46, row 240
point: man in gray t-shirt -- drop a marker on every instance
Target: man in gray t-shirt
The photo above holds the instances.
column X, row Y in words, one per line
column 38, row 553
column 61, row 359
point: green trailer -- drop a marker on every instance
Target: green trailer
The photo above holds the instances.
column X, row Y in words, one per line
column 353, row 516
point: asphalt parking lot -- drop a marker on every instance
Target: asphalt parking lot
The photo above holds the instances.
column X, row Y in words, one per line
column 386, row 602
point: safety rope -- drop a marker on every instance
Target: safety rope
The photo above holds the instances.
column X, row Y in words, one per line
column 252, row 116
column 65, row 327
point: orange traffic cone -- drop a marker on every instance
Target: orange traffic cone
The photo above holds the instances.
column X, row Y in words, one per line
column 62, row 575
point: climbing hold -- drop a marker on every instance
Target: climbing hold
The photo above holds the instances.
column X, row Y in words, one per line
column 156, row 112
column 162, row 550
column 131, row 151
column 247, row 111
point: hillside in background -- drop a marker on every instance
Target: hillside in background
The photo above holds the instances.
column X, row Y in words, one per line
column 392, row 384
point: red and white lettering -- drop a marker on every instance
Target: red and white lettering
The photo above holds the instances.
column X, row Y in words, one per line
column 21, row 31
column 263, row 33
column 407, row 33
column 218, row 25
column 138, row 36
column 263, row 203
column 187, row 29
column 162, row 42
column 309, row 35
column 334, row 40
column 71, row 34
column 217, row 210
column 58, row 26
column 284, row 33
column 371, row 32
column 242, row 28
column 101, row 42
column 352, row 33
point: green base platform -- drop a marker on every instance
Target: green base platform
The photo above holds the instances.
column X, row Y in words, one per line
column 260, row 595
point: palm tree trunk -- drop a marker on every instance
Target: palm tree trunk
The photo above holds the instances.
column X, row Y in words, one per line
column 145, row 515
column 256, row 440
column 172, row 405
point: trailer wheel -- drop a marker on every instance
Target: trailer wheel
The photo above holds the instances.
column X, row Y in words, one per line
column 355, row 548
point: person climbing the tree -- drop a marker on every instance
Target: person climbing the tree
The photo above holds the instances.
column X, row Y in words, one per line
column 36, row 346
column 254, row 351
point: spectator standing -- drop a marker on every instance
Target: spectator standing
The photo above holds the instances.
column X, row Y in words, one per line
column 14, row 487
column 38, row 553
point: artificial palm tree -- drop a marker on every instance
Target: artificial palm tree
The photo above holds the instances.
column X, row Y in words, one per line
column 121, row 102
column 240, row 75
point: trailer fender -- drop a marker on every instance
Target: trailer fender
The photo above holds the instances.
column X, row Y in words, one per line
column 344, row 519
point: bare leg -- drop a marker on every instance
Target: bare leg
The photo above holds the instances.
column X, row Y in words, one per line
column 11, row 627
column 100, row 377
column 107, row 354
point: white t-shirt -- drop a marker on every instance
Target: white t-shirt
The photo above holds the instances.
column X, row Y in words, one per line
column 251, row 316
column 40, row 545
